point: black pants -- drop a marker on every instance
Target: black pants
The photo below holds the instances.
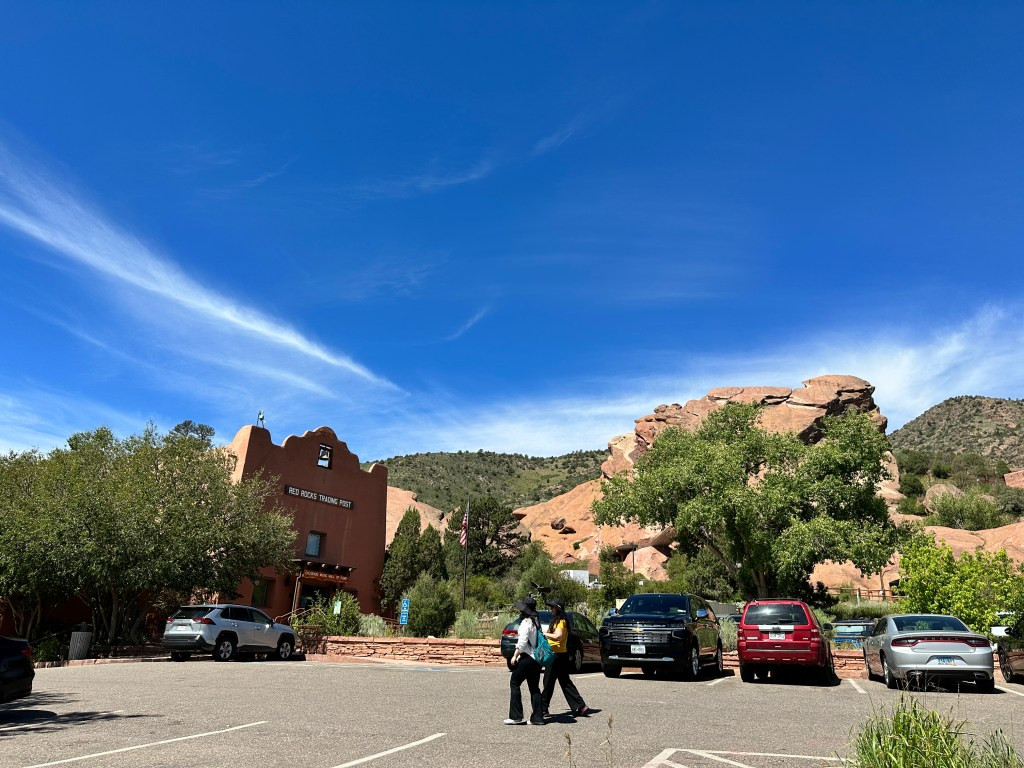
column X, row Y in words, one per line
column 529, row 670
column 558, row 672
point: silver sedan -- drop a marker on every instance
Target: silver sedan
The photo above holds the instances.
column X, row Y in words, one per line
column 920, row 647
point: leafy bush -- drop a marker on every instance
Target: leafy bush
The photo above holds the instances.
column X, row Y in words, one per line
column 345, row 624
column 50, row 649
column 729, row 630
column 371, row 625
column 972, row 587
column 941, row 470
column 911, row 506
column 431, row 608
column 915, row 737
column 467, row 625
column 973, row 511
column 911, row 485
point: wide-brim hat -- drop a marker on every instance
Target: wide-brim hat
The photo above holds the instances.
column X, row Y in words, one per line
column 555, row 602
column 527, row 605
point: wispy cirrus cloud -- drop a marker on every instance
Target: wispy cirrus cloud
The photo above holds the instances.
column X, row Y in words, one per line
column 468, row 324
column 45, row 210
column 231, row 189
column 553, row 141
column 428, row 182
column 911, row 371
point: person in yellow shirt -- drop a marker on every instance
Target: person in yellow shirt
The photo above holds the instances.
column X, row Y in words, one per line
column 558, row 670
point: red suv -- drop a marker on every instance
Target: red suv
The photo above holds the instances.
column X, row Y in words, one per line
column 780, row 633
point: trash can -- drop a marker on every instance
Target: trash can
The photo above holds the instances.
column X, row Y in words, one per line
column 81, row 639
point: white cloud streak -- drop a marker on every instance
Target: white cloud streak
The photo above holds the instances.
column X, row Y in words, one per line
column 911, row 372
column 45, row 211
column 425, row 183
column 468, row 324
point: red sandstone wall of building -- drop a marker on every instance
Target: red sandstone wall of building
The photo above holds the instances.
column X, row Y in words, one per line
column 351, row 537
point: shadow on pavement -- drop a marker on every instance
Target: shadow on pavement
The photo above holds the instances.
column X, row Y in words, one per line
column 29, row 713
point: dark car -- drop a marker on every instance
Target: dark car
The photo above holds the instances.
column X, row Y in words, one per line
column 1011, row 652
column 777, row 633
column 665, row 633
column 16, row 671
column 584, row 647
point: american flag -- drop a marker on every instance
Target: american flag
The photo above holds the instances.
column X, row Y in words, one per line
column 464, row 536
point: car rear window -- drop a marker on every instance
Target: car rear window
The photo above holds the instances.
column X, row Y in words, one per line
column 928, row 624
column 853, row 629
column 775, row 613
column 192, row 612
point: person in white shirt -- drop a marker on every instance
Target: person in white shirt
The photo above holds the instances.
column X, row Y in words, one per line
column 525, row 667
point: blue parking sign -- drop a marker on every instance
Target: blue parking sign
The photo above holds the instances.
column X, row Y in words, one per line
column 403, row 617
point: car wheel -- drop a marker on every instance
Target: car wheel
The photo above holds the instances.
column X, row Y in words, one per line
column 1008, row 674
column 179, row 656
column 612, row 671
column 719, row 662
column 577, row 660
column 693, row 667
column 746, row 673
column 285, row 648
column 891, row 681
column 828, row 672
column 225, row 649
column 988, row 685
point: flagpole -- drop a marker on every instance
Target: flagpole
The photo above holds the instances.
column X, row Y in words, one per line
column 465, row 556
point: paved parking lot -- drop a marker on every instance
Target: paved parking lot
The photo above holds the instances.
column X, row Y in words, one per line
column 339, row 715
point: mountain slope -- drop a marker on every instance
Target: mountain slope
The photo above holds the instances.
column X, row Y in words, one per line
column 989, row 426
column 446, row 480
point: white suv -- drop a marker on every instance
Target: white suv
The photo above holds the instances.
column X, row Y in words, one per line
column 226, row 630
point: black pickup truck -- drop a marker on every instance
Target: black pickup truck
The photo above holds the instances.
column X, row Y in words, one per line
column 662, row 633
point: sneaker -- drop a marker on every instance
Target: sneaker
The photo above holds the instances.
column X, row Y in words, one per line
column 583, row 711
column 510, row 721
column 541, row 722
column 547, row 714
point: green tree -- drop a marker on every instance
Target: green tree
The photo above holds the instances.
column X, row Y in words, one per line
column 768, row 507
column 699, row 574
column 35, row 551
column 911, row 485
column 431, row 554
column 617, row 581
column 973, row 511
column 431, row 608
column 972, row 587
column 495, row 539
column 129, row 521
column 402, row 565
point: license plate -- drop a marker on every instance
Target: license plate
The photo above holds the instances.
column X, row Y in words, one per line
column 638, row 650
column 184, row 628
column 946, row 660
column 776, row 635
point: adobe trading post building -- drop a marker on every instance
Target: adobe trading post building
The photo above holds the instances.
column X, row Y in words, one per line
column 338, row 511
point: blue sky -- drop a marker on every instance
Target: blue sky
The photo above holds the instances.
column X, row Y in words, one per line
column 515, row 227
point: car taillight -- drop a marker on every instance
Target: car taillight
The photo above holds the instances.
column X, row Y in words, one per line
column 509, row 633
column 815, row 634
column 203, row 620
column 27, row 652
column 170, row 619
column 739, row 633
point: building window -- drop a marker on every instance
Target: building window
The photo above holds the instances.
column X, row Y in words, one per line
column 260, row 592
column 313, row 542
column 324, row 457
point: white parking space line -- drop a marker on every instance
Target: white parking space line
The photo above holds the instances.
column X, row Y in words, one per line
column 362, row 760
column 719, row 756
column 589, row 674
column 718, row 680
column 856, row 685
column 144, row 746
column 1008, row 690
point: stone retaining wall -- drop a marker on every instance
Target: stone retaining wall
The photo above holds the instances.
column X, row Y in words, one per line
column 428, row 650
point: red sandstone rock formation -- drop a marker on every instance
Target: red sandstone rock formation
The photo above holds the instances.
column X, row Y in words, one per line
column 798, row 410
column 399, row 501
column 1014, row 479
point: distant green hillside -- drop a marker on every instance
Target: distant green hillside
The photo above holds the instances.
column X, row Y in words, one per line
column 446, row 480
column 988, row 426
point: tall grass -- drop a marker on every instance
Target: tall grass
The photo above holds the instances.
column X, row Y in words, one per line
column 728, row 634
column 912, row 736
